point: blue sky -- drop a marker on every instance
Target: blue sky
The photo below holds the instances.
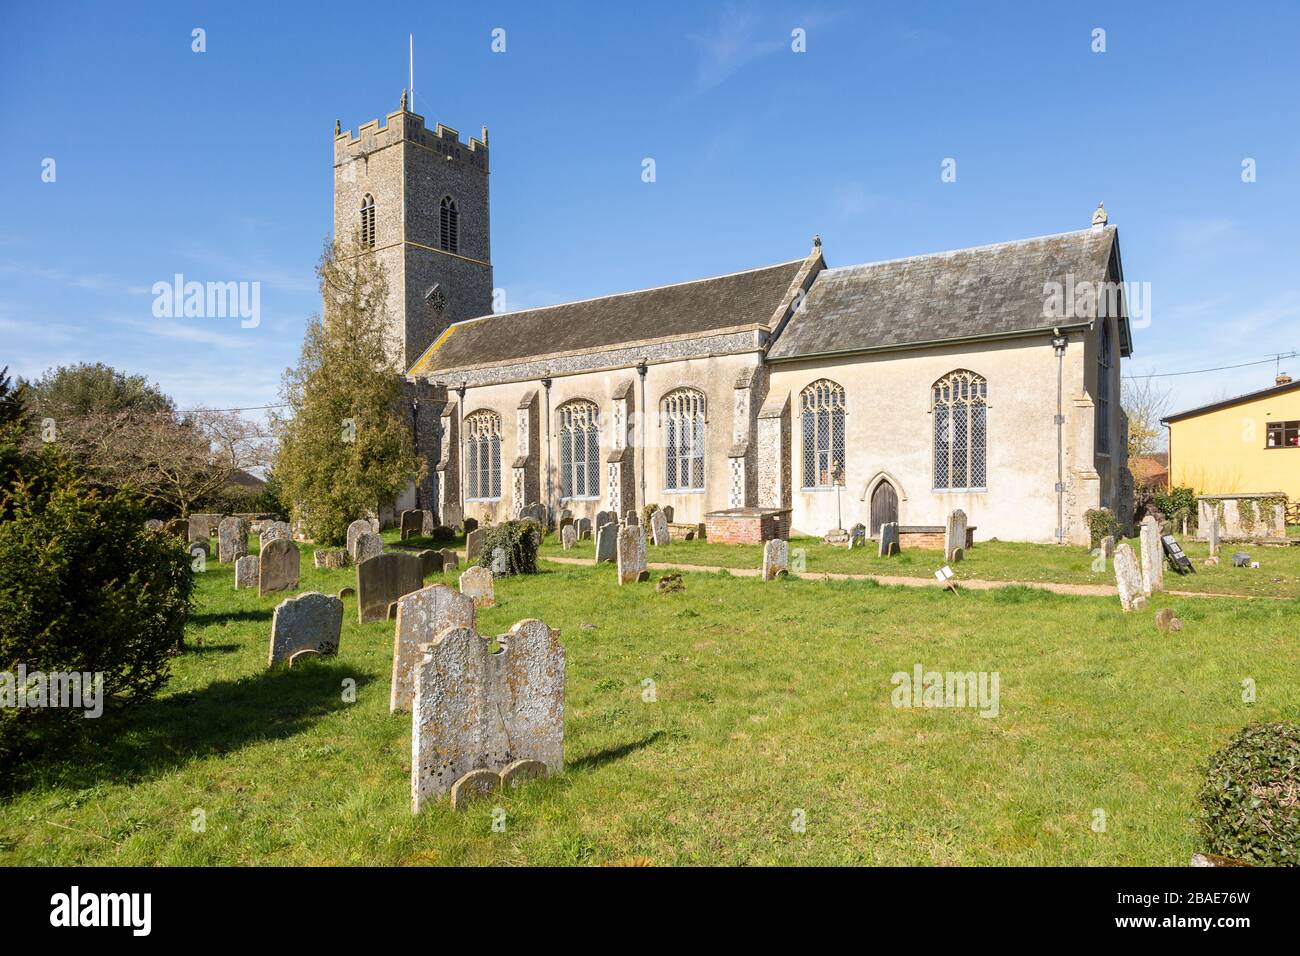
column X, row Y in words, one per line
column 216, row 165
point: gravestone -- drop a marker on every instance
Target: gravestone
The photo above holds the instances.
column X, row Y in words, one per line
column 411, row 523
column 329, row 559
column 421, row 616
column 310, row 621
column 537, row 512
column 632, row 565
column 500, row 563
column 776, row 558
column 474, row 545
column 568, row 536
column 1152, row 558
column 275, row 531
column 279, row 567
column 450, row 559
column 430, row 562
column 1108, row 546
column 471, row 524
column 200, row 547
column 153, row 525
column 659, row 527
column 428, row 522
column 584, row 528
column 355, row 530
column 197, row 528
column 632, row 519
column 1240, row 559
column 603, row 518
column 566, row 517
column 476, row 583
column 1128, row 579
column 607, row 542
column 858, row 536
column 954, row 539
column 369, row 545
column 668, row 511
column 1174, row 551
column 888, row 539
column 232, row 539
column 246, row 571
column 1212, row 533
column 475, row 710
column 383, row 579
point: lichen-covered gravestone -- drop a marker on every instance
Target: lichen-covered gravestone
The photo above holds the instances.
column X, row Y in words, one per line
column 569, row 536
column 275, row 531
column 279, row 566
column 659, row 527
column 1107, row 546
column 430, row 562
column 475, row 710
column 858, row 536
column 888, row 539
column 246, row 571
column 197, row 529
column 1128, row 579
column 500, row 562
column 369, row 545
column 450, row 559
column 632, row 519
column 310, row 622
column 776, row 558
column 355, row 530
column 232, row 539
column 474, row 544
column 607, row 542
column 603, row 518
column 954, row 538
column 421, row 616
column 632, row 566
column 1152, row 557
column 384, row 579
column 476, row 583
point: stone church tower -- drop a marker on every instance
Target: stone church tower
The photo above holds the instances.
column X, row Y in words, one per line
column 418, row 199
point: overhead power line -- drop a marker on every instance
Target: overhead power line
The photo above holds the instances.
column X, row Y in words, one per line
column 1219, row 368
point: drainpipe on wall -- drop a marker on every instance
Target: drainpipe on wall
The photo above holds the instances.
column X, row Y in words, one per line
column 415, row 439
column 641, row 370
column 460, row 438
column 1058, row 344
column 546, row 384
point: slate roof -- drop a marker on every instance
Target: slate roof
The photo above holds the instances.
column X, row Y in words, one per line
column 986, row 291
column 700, row 307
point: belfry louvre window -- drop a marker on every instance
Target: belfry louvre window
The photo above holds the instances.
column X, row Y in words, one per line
column 368, row 221
column 1103, row 388
column 683, row 427
column 822, row 414
column 960, row 432
column 1283, row 435
column 579, row 450
column 483, row 456
column 449, row 225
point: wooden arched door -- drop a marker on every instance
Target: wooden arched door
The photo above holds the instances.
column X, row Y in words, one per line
column 884, row 506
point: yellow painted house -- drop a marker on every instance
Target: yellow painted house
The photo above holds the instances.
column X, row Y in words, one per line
column 1247, row 444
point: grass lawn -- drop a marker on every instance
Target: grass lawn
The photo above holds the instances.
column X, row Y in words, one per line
column 1278, row 574
column 771, row 698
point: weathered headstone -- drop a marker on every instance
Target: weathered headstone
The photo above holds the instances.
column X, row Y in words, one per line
column 347, row 593
column 1240, row 559
column 200, row 547
column 1212, row 533
column 954, row 539
column 1128, row 579
column 279, row 567
column 659, row 527
column 329, row 559
column 474, row 545
column 888, row 539
column 246, row 571
column 471, row 524
column 1108, row 546
column 537, row 512
column 603, row 518
column 355, row 530
column 776, row 558
column 450, row 559
column 568, row 536
column 632, row 519
column 476, row 583
column 607, row 542
column 1152, row 557
column 566, row 517
column 632, row 566
column 232, row 539
column 421, row 616
column 411, row 524
column 500, row 562
column 383, row 579
column 310, row 621
column 584, row 528
column 858, row 536
column 198, row 528
column 369, row 545
column 1174, row 552
column 430, row 562
column 668, row 513
column 275, row 531
column 475, row 710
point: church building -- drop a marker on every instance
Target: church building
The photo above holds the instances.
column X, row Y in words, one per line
column 985, row 379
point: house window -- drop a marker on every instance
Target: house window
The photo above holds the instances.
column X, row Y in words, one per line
column 579, row 450
column 683, row 427
column 483, row 456
column 822, row 414
column 449, row 225
column 1283, row 435
column 960, row 432
column 1103, row 388
column 368, row 221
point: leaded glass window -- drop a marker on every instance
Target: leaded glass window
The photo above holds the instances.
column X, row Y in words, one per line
column 483, row 456
column 960, row 432
column 683, row 435
column 579, row 450
column 1103, row 387
column 822, row 414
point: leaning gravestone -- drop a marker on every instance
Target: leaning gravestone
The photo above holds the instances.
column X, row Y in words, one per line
column 246, row 571
column 568, row 536
column 355, row 530
column 275, row 531
column 369, row 545
column 477, row 711
column 1128, row 579
column 421, row 616
column 659, row 527
column 232, row 539
column 1181, row 562
column 383, row 579
column 279, row 566
column 954, row 539
column 888, row 539
column 607, row 543
column 1152, row 557
column 632, row 565
column 776, row 558
column 308, row 622
column 476, row 583
column 474, row 544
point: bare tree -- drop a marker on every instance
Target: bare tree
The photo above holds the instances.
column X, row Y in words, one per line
column 1145, row 402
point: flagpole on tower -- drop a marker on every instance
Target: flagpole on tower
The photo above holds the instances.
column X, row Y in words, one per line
column 411, row 63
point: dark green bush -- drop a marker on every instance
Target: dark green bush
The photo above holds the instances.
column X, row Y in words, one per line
column 1177, row 504
column 443, row 533
column 518, row 540
column 1250, row 801
column 1101, row 523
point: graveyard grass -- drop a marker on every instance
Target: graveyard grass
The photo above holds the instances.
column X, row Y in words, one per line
column 771, row 698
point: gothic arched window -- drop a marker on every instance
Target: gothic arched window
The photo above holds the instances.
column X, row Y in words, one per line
column 683, row 435
column 449, row 225
column 1103, row 387
column 579, row 450
column 821, row 407
column 960, row 432
column 483, row 456
column 368, row 221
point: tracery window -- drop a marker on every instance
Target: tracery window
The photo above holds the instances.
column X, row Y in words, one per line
column 579, row 450
column 483, row 456
column 449, row 225
column 822, row 414
column 682, row 417
column 960, row 432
